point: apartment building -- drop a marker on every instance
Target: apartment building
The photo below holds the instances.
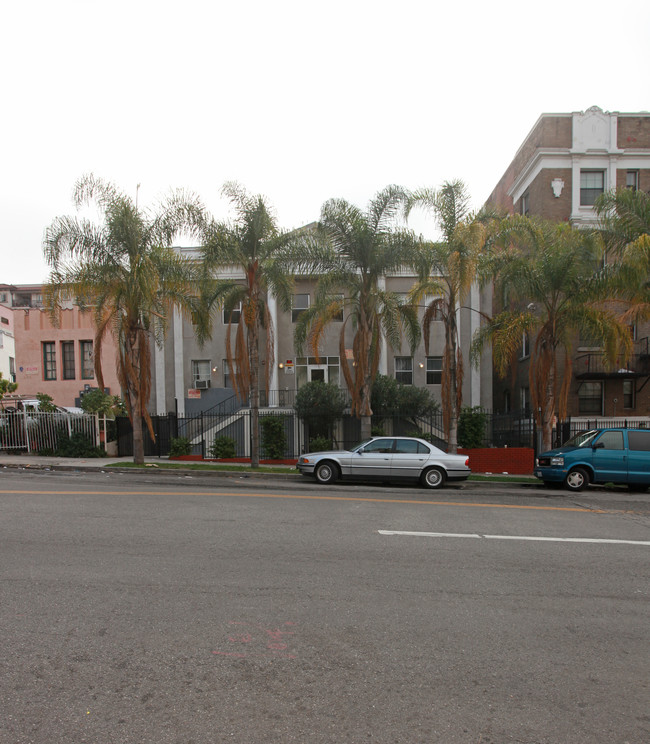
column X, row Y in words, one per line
column 557, row 173
column 56, row 360
column 189, row 379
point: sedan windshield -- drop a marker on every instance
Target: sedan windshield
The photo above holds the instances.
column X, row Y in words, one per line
column 361, row 444
column 584, row 439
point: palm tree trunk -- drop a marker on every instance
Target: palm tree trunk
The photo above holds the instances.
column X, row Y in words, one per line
column 255, row 397
column 138, row 442
column 452, row 382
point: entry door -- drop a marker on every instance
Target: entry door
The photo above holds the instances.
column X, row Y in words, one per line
column 317, row 373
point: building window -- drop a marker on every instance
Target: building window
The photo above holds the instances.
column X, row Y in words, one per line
column 525, row 346
column 404, row 370
column 525, row 204
column 4, row 321
column 201, row 369
column 227, row 374
column 628, row 393
column 87, row 360
column 437, row 310
column 632, row 180
column 434, row 370
column 592, row 185
column 299, row 304
column 49, row 360
column 232, row 316
column 338, row 317
column 67, row 356
column 524, row 400
column 590, row 398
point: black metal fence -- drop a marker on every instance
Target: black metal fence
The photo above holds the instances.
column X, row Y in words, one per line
column 499, row 430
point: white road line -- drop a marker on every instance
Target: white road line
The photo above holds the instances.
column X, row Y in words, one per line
column 598, row 540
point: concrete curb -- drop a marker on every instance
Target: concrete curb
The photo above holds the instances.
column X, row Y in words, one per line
column 19, row 463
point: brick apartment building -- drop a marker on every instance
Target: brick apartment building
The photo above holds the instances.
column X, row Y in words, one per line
column 564, row 163
column 58, row 361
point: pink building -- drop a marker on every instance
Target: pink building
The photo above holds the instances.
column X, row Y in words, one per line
column 58, row 361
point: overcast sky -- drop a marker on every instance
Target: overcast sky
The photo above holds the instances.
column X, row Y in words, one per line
column 297, row 100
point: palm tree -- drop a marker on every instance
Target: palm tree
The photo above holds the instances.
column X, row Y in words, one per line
column 446, row 271
column 251, row 243
column 624, row 217
column 350, row 253
column 126, row 271
column 551, row 287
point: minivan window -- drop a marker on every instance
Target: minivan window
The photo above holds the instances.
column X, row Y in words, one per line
column 639, row 440
column 583, row 439
column 611, row 440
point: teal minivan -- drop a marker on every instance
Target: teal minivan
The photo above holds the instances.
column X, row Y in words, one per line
column 599, row 456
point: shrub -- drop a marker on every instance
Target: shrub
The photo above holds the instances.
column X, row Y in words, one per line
column 320, row 404
column 320, row 444
column 391, row 398
column 179, row 446
column 223, row 448
column 274, row 438
column 471, row 427
column 78, row 445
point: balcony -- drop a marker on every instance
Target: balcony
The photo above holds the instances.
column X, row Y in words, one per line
column 592, row 366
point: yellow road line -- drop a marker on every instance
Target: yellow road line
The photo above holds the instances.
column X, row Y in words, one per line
column 309, row 498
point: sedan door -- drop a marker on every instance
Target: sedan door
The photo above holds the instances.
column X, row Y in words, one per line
column 373, row 460
column 409, row 458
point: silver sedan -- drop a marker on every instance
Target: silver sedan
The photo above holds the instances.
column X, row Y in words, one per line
column 387, row 458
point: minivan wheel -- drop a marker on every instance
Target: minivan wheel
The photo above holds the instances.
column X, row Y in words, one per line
column 577, row 480
column 433, row 478
column 326, row 472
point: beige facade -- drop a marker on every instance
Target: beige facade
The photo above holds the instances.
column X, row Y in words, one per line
column 183, row 370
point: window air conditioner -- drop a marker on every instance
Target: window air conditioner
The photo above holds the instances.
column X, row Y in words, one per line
column 202, row 384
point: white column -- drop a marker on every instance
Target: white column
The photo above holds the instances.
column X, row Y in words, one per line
column 179, row 382
column 383, row 356
column 474, row 322
column 159, row 363
column 273, row 372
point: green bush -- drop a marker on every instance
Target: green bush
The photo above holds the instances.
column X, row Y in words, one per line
column 320, row 405
column 223, row 448
column 274, row 438
column 179, row 446
column 78, row 445
column 471, row 427
column 320, row 444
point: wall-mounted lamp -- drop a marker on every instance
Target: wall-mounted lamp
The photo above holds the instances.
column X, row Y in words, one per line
column 421, row 365
column 281, row 365
column 214, row 369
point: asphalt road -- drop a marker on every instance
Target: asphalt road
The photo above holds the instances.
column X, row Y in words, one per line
column 170, row 609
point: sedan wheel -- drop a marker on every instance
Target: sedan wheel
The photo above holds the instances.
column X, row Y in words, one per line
column 326, row 472
column 577, row 480
column 433, row 478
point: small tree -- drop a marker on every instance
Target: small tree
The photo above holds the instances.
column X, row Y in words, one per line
column 274, row 437
column 391, row 398
column 6, row 386
column 45, row 403
column 320, row 405
column 97, row 401
column 471, row 427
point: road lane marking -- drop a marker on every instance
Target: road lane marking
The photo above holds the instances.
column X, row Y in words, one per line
column 304, row 497
column 597, row 540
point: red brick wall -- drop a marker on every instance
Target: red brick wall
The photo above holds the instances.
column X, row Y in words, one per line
column 512, row 460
